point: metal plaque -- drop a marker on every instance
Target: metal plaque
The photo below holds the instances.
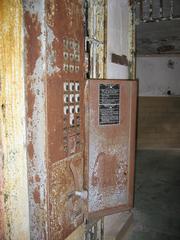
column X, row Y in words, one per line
column 109, row 102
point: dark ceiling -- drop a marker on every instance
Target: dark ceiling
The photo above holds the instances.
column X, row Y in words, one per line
column 158, row 27
column 158, row 37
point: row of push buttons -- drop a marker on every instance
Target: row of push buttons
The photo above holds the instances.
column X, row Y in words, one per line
column 71, row 109
column 71, row 101
column 72, row 98
column 71, row 86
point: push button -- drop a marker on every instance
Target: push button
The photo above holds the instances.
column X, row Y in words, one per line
column 66, row 98
column 77, row 109
column 71, row 109
column 71, row 86
column 71, row 98
column 66, row 110
column 77, row 87
column 66, row 86
column 77, row 98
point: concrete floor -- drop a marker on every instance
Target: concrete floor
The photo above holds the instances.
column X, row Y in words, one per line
column 157, row 196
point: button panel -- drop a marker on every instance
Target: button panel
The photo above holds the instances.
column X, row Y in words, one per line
column 71, row 56
column 71, row 112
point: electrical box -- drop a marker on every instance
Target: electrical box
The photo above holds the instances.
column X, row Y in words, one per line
column 110, row 145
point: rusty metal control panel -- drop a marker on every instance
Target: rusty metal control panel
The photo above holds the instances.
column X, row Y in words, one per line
column 65, row 116
column 110, row 148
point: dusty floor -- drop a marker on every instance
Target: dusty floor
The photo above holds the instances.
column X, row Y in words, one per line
column 157, row 196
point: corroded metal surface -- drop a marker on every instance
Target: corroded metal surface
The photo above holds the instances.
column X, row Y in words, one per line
column 54, row 67
column 35, row 53
column 65, row 207
column 110, row 151
column 12, row 117
column 65, row 115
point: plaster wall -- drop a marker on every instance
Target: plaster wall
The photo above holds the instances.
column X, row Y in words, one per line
column 14, row 208
column 158, row 76
column 117, row 37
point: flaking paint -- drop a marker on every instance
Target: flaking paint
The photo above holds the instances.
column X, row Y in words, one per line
column 12, row 117
column 131, row 42
column 97, row 38
column 35, row 66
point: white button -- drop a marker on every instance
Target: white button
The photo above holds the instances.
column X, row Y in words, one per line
column 66, row 110
column 76, row 69
column 71, row 86
column 66, row 98
column 71, row 98
column 71, row 56
column 77, row 86
column 71, row 68
column 66, row 86
column 77, row 109
column 71, row 109
column 65, row 67
column 71, row 120
column 77, row 98
column 66, row 55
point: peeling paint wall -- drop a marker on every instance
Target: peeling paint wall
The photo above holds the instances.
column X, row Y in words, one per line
column 97, row 10
column 35, row 70
column 12, row 117
column 158, row 76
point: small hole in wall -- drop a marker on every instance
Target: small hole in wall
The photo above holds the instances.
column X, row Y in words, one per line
column 169, row 92
column 3, row 106
column 171, row 64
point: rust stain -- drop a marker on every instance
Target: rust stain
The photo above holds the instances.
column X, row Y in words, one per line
column 65, row 207
column 36, row 195
column 35, row 67
column 50, row 5
column 30, row 149
column 65, row 64
column 105, row 173
column 30, row 95
column 33, row 30
column 37, row 178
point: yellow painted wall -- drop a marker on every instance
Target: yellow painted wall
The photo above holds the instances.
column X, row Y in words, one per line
column 12, row 118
